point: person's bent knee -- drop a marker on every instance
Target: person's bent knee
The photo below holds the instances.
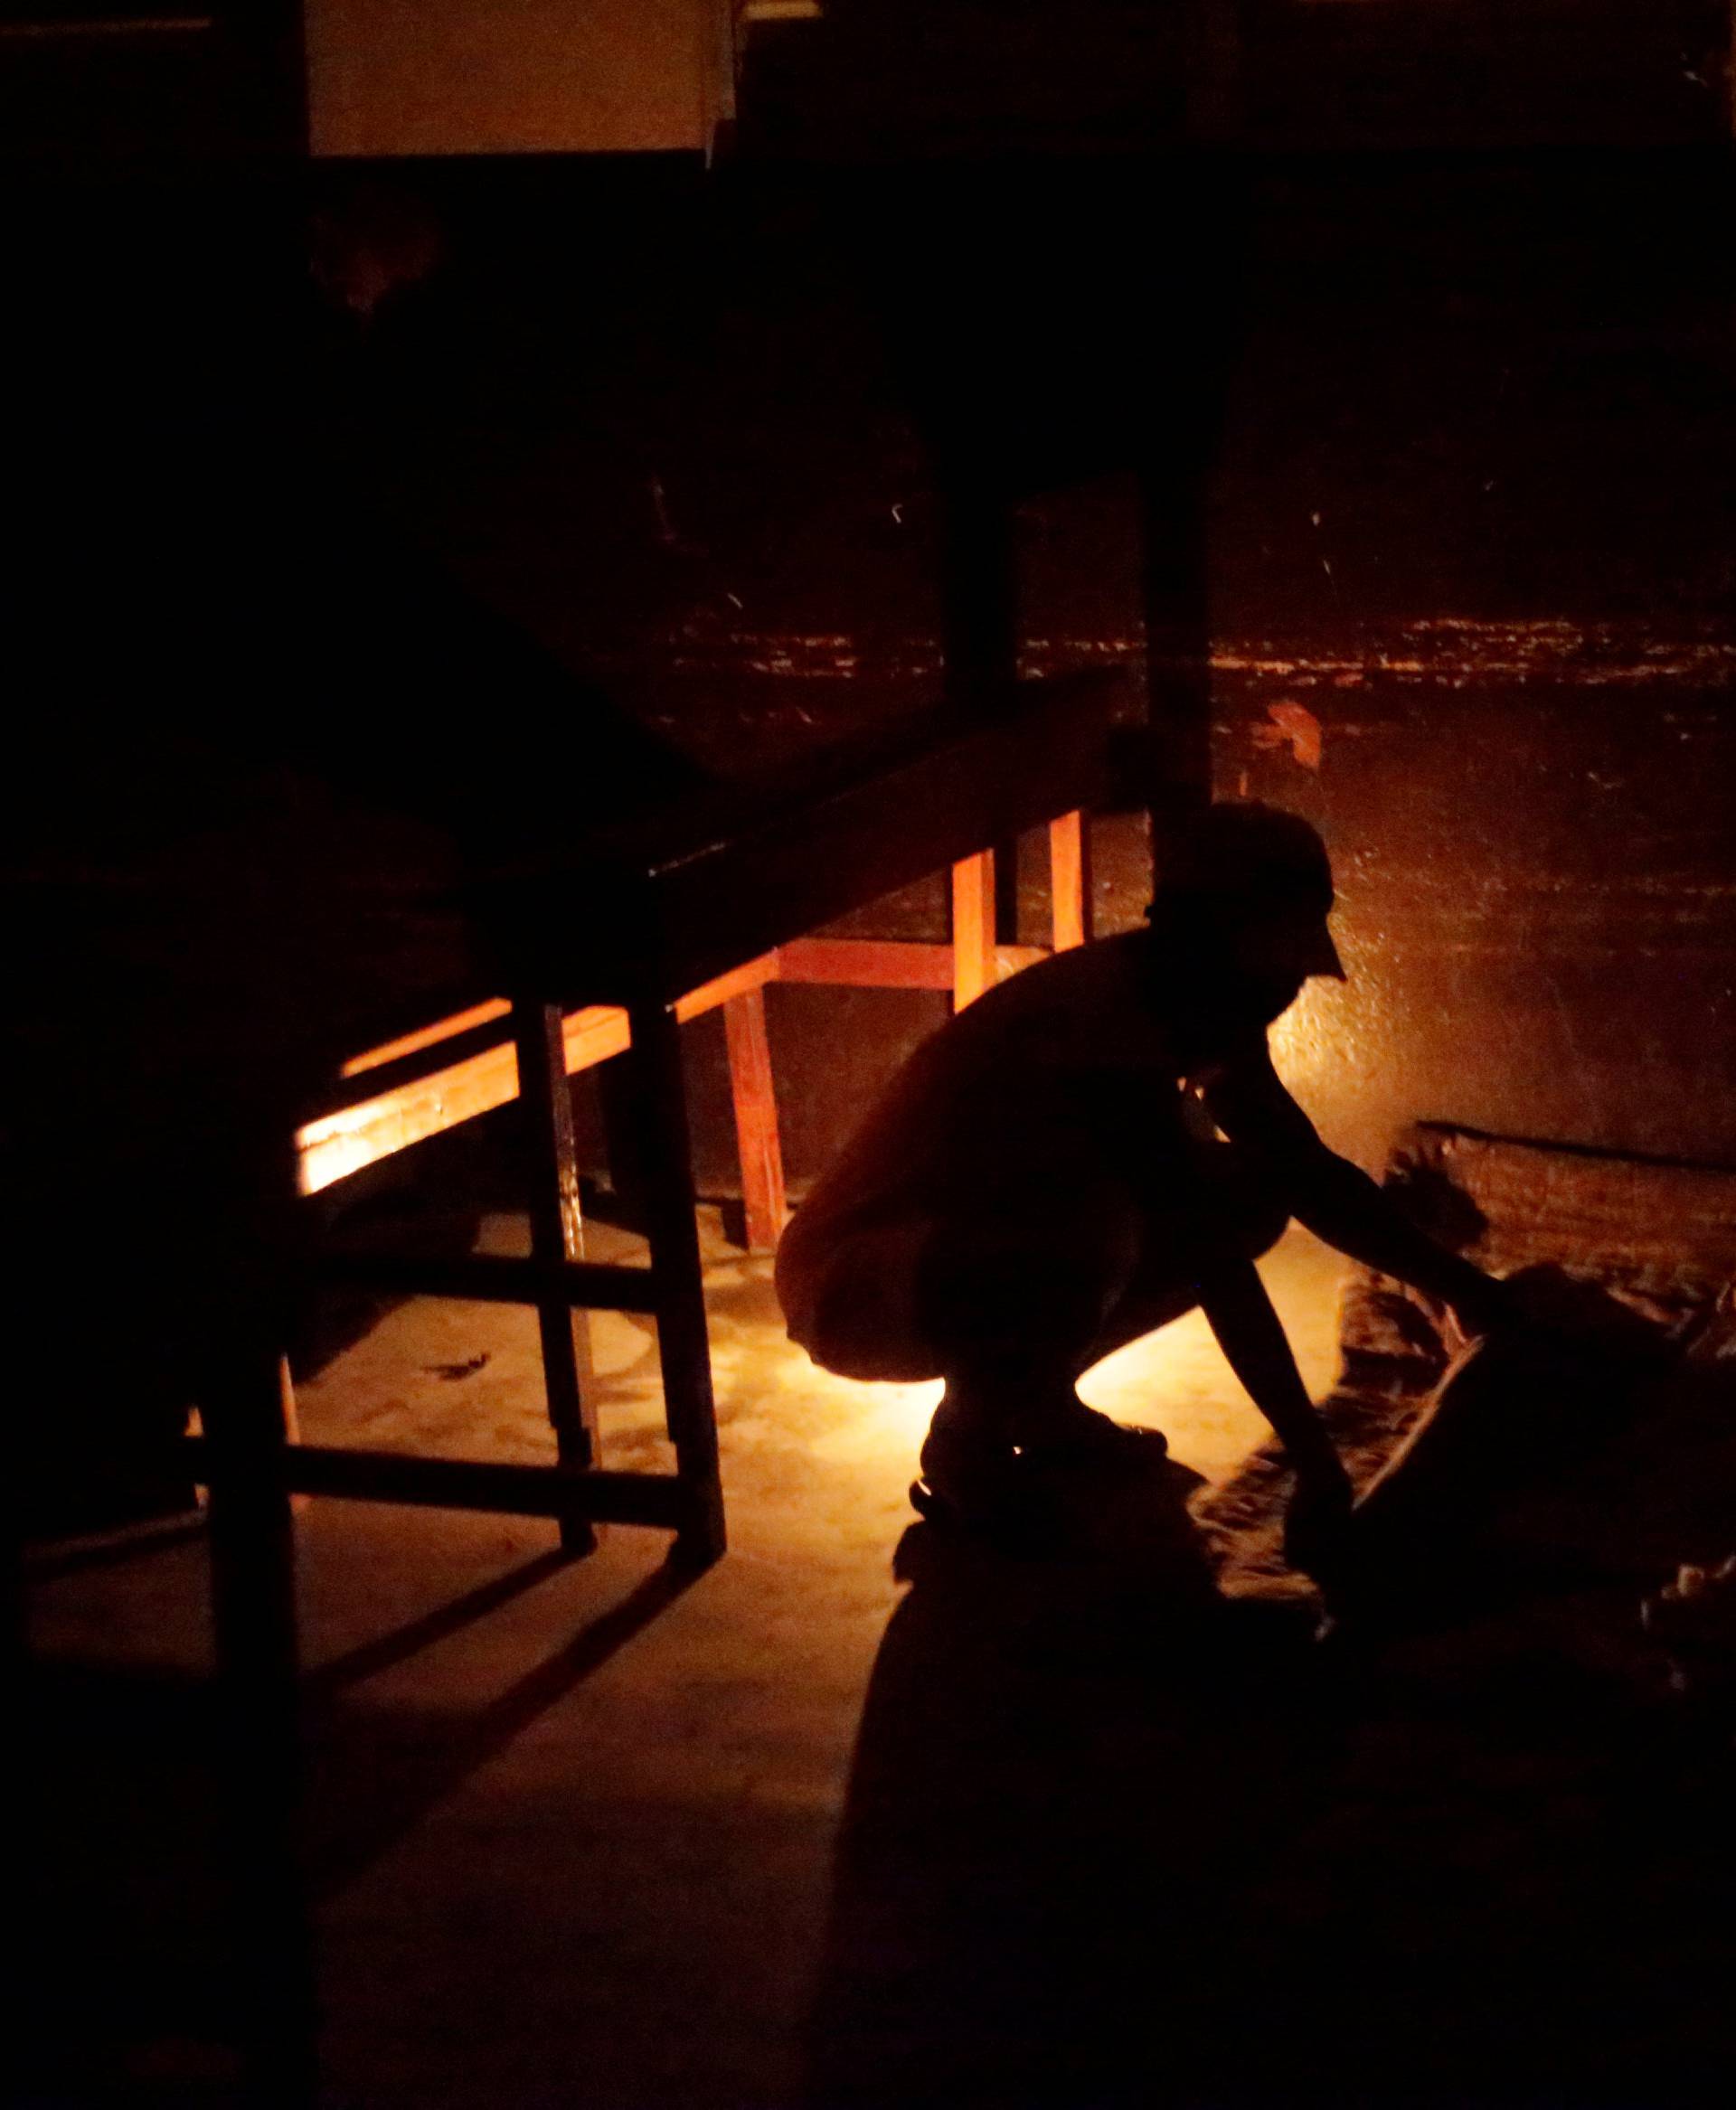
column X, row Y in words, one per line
column 1266, row 1222
column 854, row 1311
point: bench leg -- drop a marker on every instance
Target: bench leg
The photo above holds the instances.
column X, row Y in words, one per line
column 251, row 1539
column 1070, row 881
column 557, row 1233
column 973, row 929
column 684, row 1347
column 756, row 1119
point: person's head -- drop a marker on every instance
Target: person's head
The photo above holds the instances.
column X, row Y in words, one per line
column 1250, row 887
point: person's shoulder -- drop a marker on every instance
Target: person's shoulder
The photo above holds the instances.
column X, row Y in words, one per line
column 1109, row 973
column 1122, row 971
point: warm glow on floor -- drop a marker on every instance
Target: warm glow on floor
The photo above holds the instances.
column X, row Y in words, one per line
column 808, row 1458
column 1176, row 1380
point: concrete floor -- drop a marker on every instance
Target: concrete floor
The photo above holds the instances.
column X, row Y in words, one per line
column 575, row 1828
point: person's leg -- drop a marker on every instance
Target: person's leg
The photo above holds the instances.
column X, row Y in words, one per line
column 849, row 1297
column 1009, row 1295
column 1165, row 1281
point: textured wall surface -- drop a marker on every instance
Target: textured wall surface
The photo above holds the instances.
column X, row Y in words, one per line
column 1471, row 552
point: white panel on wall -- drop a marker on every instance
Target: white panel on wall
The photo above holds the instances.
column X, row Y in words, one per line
column 398, row 77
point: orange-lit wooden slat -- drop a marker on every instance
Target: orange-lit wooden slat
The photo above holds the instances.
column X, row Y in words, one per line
column 736, row 983
column 755, row 1100
column 501, row 1486
column 973, row 927
column 874, row 963
column 1070, row 881
column 866, row 963
column 344, row 1142
column 339, row 1143
column 431, row 1036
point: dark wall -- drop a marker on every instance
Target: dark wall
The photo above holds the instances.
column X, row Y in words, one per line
column 1471, row 517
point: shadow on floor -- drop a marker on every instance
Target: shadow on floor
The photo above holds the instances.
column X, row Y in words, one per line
column 1111, row 1839
column 139, row 1953
column 119, row 1875
column 375, row 1773
column 1058, row 1761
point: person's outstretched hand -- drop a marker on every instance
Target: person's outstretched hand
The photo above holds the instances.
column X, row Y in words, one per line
column 1316, row 1522
column 1555, row 1311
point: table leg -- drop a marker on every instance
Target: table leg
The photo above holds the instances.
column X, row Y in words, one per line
column 755, row 1097
column 684, row 1347
column 557, row 1233
column 253, row 1602
column 973, row 929
column 1070, row 881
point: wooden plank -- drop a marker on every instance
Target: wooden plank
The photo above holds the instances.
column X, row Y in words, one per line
column 557, row 1238
column 704, row 888
column 974, row 965
column 348, row 1138
column 659, row 1108
column 492, row 1484
column 866, row 963
column 753, row 974
column 342, row 1143
column 499, row 1278
column 344, row 1140
column 430, row 1036
column 873, row 963
column 755, row 1099
column 593, row 1035
column 1070, row 881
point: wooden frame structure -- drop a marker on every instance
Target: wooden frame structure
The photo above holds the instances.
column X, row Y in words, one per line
column 711, row 904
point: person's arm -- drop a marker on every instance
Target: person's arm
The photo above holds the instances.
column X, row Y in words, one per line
column 1338, row 1201
column 1241, row 1315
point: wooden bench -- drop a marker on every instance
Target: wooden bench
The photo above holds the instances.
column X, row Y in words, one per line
column 606, row 954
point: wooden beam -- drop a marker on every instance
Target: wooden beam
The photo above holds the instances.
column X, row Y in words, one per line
column 430, row 1036
column 1070, row 881
column 511, row 1490
column 665, row 1153
column 754, row 974
column 696, row 898
column 755, row 1100
column 497, row 1278
column 865, row 963
column 339, row 1143
column 557, row 1240
column 974, row 964
column 348, row 1138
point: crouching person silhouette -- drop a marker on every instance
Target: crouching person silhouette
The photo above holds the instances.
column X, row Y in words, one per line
column 1090, row 1150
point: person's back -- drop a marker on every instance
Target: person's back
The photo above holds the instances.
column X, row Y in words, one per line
column 1026, row 1093
column 1092, row 1148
